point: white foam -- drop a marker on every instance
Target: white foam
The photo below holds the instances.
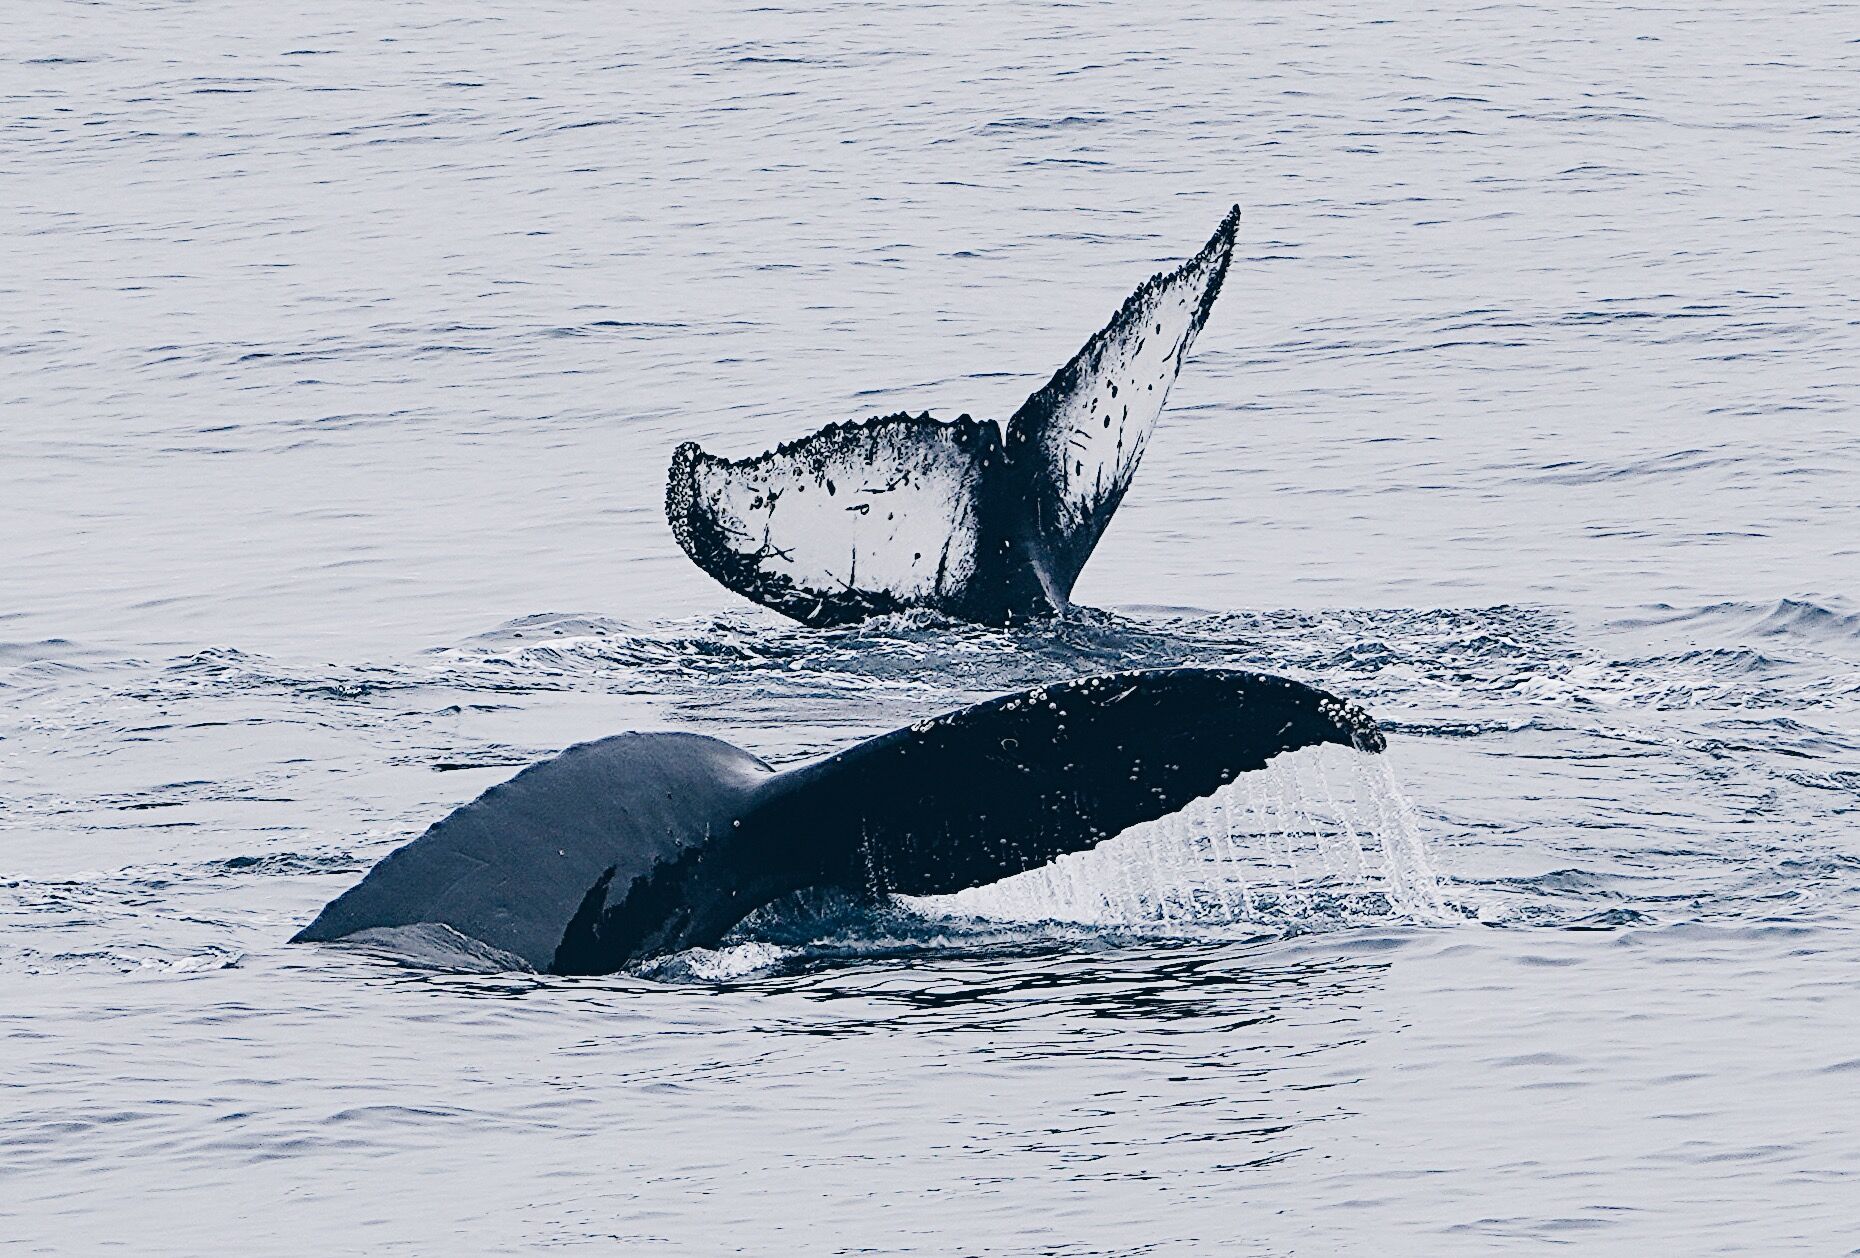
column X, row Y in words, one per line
column 717, row 965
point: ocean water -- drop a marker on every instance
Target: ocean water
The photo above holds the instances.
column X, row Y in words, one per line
column 342, row 351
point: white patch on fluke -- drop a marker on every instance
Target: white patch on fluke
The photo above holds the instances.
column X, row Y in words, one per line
column 887, row 506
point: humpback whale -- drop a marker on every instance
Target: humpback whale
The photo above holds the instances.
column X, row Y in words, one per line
column 643, row 844
column 966, row 517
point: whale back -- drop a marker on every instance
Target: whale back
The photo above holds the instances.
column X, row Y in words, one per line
column 966, row 799
column 645, row 844
column 1009, row 785
column 511, row 868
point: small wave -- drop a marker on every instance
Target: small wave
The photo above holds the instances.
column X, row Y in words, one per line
column 288, row 864
column 1799, row 618
column 1066, row 122
column 717, row 965
column 431, row 946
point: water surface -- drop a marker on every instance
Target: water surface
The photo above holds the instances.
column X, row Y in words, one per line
column 342, row 350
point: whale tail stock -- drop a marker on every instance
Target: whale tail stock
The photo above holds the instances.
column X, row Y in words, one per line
column 958, row 516
column 643, row 844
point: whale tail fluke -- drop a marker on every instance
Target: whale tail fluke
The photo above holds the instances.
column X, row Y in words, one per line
column 956, row 516
column 641, row 845
column 1080, row 436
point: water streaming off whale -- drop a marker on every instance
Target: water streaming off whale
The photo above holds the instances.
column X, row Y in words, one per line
column 342, row 352
column 1281, row 849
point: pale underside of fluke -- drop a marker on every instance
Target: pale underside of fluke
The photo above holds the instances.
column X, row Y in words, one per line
column 961, row 516
column 639, row 845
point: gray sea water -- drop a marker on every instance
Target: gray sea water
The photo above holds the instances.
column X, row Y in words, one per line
column 342, row 350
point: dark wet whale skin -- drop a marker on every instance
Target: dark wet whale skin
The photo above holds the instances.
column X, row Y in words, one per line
column 639, row 845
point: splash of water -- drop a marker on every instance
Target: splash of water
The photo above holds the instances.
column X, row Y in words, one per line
column 1320, row 837
column 716, row 965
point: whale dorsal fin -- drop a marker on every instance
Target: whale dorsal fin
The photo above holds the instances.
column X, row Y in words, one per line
column 853, row 521
column 1079, row 437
